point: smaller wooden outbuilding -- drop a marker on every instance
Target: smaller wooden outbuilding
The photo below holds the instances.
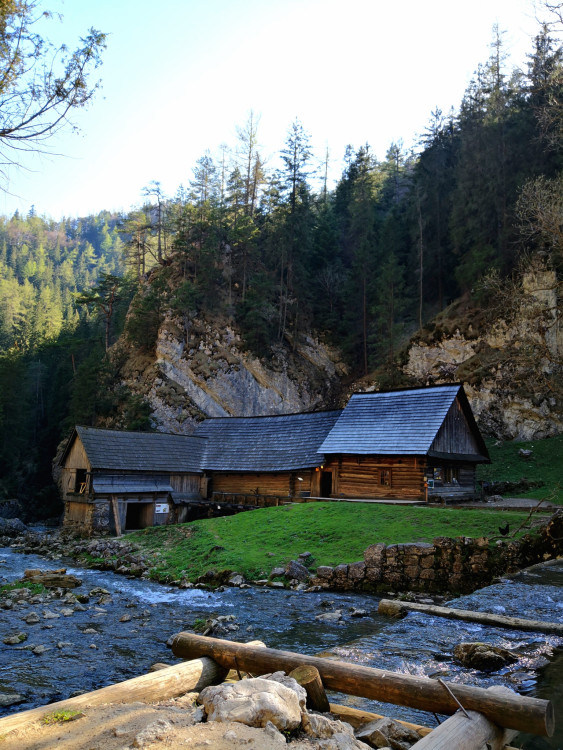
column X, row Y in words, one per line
column 113, row 481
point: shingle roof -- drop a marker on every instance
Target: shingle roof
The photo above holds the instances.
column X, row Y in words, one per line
column 278, row 443
column 141, row 451
column 392, row 423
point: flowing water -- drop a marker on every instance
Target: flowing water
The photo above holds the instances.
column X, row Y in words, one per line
column 92, row 648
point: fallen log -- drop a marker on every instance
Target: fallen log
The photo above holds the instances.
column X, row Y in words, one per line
column 164, row 683
column 512, row 711
column 396, row 608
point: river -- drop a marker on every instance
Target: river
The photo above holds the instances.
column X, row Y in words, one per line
column 92, row 647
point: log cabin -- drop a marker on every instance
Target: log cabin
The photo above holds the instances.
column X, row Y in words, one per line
column 416, row 443
column 410, row 444
column 113, row 481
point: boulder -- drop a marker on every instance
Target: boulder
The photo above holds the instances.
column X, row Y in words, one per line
column 253, row 702
column 335, row 616
column 386, row 732
column 332, row 734
column 283, row 679
column 12, row 527
column 483, row 656
column 295, row 569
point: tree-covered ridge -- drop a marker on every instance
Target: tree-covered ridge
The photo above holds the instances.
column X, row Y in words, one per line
column 390, row 246
column 43, row 264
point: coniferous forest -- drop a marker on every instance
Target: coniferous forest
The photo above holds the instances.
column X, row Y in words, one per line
column 280, row 252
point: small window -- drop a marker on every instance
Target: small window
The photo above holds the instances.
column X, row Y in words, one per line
column 451, row 475
column 385, row 477
column 80, row 481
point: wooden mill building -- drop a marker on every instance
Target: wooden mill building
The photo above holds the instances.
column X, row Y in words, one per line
column 420, row 443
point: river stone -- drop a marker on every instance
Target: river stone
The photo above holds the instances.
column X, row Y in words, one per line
column 253, row 702
column 329, row 616
column 277, row 572
column 386, row 732
column 48, row 615
column 32, row 618
column 10, row 699
column 483, row 656
column 13, row 640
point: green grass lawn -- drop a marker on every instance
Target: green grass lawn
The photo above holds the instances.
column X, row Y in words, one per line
column 254, row 542
column 545, row 465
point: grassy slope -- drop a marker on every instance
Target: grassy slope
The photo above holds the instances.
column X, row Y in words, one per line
column 545, row 464
column 333, row 532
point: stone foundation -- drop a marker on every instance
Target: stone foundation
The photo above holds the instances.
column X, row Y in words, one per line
column 459, row 565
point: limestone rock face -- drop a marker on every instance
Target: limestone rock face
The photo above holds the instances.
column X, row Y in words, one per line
column 505, row 366
column 213, row 375
column 253, row 702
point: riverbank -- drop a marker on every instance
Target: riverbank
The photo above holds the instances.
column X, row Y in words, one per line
column 323, row 545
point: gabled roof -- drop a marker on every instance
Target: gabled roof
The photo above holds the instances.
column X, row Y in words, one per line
column 402, row 422
column 140, row 451
column 277, row 443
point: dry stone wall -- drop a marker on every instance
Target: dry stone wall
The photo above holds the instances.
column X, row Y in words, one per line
column 457, row 565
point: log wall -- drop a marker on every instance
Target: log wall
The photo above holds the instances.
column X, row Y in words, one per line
column 283, row 483
column 361, row 476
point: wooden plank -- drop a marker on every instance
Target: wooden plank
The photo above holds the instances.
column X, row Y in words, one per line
column 512, row 711
column 393, row 607
column 165, row 683
column 466, row 731
column 116, row 518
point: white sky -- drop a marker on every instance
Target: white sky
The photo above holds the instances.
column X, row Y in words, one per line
column 180, row 75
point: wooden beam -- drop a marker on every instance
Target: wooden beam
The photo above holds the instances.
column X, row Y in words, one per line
column 393, row 607
column 470, row 731
column 512, row 711
column 116, row 515
column 310, row 679
column 165, row 683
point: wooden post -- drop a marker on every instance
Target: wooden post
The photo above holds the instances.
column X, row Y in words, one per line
column 393, row 608
column 512, row 711
column 466, row 732
column 116, row 515
column 165, row 683
column 309, row 678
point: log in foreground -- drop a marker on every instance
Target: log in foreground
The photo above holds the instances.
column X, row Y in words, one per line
column 396, row 608
column 310, row 679
column 512, row 711
column 466, row 732
column 156, row 686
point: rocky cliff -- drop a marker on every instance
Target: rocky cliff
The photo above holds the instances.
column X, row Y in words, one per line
column 214, row 375
column 509, row 357
column 507, row 353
